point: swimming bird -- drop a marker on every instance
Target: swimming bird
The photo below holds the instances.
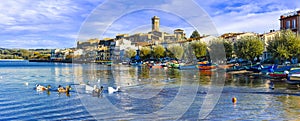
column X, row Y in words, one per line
column 64, row 90
column 42, row 88
column 97, row 90
column 112, row 90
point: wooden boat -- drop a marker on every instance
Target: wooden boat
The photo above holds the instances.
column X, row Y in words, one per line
column 187, row 67
column 228, row 66
column 293, row 76
column 206, row 67
column 237, row 68
column 173, row 65
column 155, row 66
column 278, row 75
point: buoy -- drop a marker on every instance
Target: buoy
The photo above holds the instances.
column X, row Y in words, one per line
column 26, row 83
column 234, row 100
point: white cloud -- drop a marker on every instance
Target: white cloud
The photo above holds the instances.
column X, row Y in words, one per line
column 59, row 21
column 247, row 16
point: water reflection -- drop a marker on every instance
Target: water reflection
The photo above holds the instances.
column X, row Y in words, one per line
column 157, row 87
column 290, row 106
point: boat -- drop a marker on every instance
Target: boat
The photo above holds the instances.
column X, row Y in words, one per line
column 278, row 75
column 205, row 65
column 226, row 66
column 272, row 68
column 187, row 67
column 135, row 63
column 237, row 68
column 293, row 76
column 155, row 66
column 173, row 64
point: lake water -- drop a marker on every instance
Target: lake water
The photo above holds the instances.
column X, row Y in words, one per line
column 148, row 94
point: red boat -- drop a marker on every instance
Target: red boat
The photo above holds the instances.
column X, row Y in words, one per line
column 278, row 75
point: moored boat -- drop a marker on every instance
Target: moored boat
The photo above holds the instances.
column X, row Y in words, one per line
column 205, row 65
column 186, row 67
column 155, row 66
column 278, row 75
column 293, row 76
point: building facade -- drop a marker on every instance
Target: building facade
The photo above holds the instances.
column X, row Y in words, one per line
column 290, row 21
column 266, row 37
column 233, row 37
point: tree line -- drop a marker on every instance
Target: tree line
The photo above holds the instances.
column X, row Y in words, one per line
column 285, row 46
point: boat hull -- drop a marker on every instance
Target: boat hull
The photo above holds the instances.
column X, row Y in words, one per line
column 208, row 67
column 277, row 75
column 293, row 78
column 187, row 67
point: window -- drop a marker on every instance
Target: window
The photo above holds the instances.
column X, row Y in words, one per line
column 287, row 26
column 294, row 24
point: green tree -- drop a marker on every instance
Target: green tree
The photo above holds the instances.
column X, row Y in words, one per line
column 145, row 52
column 6, row 52
column 249, row 47
column 199, row 49
column 176, row 51
column 220, row 49
column 130, row 53
column 24, row 53
column 195, row 34
column 285, row 46
column 158, row 51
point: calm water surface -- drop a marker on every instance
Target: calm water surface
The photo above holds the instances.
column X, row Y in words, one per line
column 144, row 91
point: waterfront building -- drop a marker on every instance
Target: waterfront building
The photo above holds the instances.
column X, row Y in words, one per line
column 290, row 21
column 266, row 37
column 105, row 49
column 233, row 37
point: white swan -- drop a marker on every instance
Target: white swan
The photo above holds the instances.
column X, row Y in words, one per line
column 112, row 90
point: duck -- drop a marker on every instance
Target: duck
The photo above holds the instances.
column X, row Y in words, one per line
column 42, row 88
column 64, row 90
column 97, row 90
column 112, row 90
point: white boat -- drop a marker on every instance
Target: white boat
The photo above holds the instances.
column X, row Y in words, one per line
column 293, row 76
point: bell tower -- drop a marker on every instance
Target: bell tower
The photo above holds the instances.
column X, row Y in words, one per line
column 155, row 23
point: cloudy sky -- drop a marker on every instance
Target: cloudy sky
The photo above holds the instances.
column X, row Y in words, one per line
column 60, row 23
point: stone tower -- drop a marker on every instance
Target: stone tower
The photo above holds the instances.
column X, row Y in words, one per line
column 155, row 23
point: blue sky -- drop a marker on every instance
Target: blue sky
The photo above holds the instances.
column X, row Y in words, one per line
column 58, row 24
